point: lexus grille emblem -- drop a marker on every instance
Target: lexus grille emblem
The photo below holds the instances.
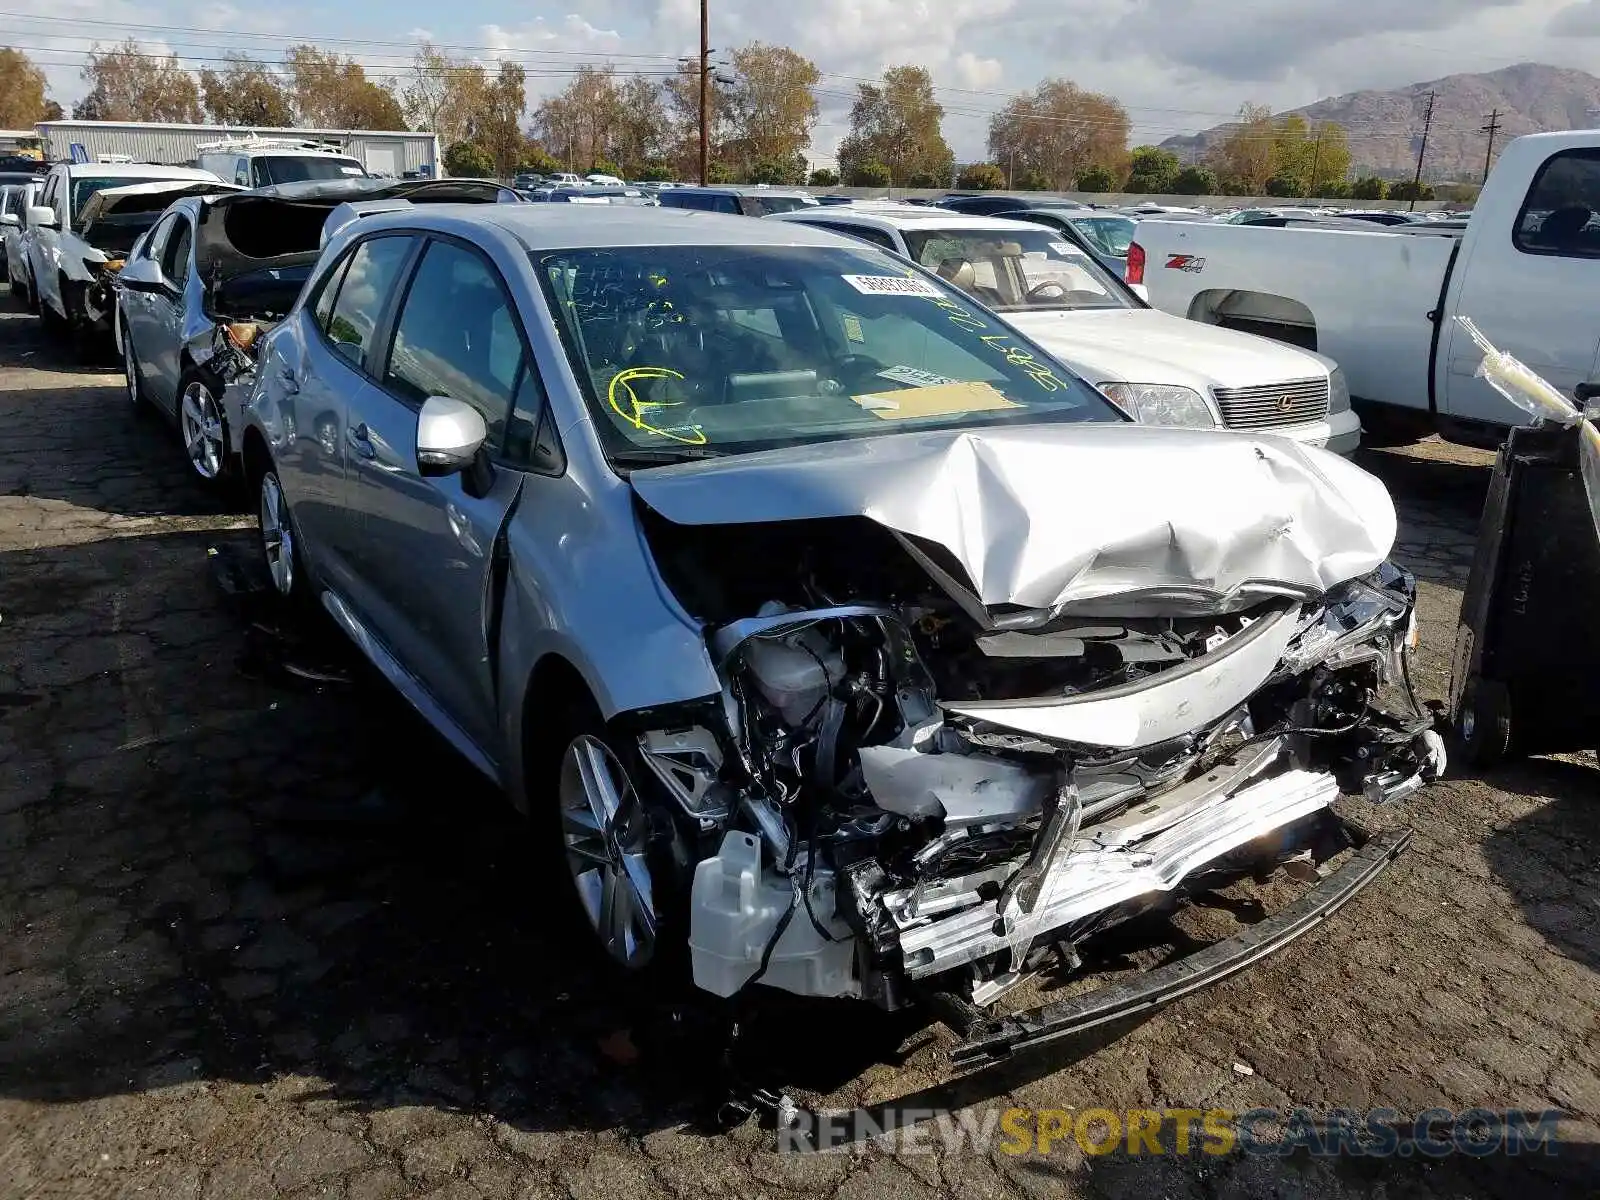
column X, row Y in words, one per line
column 1285, row 403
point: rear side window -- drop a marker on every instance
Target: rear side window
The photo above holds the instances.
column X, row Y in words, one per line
column 865, row 232
column 367, row 284
column 458, row 336
column 1561, row 215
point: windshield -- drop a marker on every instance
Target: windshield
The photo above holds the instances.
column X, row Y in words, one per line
column 1110, row 235
column 684, row 351
column 288, row 168
column 1016, row 270
column 765, row 206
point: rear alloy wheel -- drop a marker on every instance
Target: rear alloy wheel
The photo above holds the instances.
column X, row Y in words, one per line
column 606, row 832
column 1483, row 723
column 278, row 543
column 205, row 433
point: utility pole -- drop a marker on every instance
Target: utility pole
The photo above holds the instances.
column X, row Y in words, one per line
column 705, row 92
column 1492, row 128
column 1427, row 126
column 1316, row 161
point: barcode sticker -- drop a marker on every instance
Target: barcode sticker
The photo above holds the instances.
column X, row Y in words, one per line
column 915, row 376
column 892, row 285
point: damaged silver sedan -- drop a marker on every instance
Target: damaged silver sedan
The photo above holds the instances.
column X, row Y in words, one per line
column 844, row 642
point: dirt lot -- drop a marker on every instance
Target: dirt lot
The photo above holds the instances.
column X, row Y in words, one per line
column 260, row 939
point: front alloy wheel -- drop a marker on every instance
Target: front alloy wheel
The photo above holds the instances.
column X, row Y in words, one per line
column 200, row 417
column 277, row 535
column 606, row 830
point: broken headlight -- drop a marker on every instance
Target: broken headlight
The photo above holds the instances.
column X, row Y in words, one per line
column 1354, row 614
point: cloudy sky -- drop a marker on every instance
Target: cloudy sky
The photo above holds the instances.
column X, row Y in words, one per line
column 1177, row 65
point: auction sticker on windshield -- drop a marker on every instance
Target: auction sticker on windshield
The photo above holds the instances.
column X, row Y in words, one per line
column 892, row 285
column 943, row 400
column 914, row 376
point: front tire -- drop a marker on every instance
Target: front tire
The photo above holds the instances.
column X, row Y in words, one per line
column 203, row 427
column 613, row 847
column 130, row 375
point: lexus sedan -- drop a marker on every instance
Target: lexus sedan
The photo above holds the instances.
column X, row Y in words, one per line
column 837, row 638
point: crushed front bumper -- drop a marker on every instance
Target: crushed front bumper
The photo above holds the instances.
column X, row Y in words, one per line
column 988, row 1038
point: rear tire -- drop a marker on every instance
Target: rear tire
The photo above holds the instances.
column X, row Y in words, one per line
column 280, row 541
column 1483, row 722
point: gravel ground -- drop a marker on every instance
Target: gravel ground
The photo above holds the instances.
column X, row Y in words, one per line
column 263, row 938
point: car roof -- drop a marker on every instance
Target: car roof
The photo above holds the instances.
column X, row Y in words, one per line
column 905, row 217
column 581, row 226
column 137, row 171
column 734, row 189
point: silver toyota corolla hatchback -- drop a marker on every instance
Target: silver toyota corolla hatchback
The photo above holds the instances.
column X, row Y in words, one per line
column 842, row 641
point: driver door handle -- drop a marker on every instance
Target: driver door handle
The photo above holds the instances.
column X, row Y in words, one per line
column 361, row 441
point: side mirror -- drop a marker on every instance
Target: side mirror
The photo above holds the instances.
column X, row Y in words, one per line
column 449, row 435
column 40, row 217
column 10, row 221
column 1139, row 290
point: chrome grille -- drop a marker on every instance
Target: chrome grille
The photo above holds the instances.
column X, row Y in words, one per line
column 1269, row 405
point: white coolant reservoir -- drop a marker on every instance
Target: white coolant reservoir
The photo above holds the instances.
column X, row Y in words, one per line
column 735, row 907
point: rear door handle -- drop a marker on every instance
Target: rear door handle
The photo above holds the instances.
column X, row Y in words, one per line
column 361, row 441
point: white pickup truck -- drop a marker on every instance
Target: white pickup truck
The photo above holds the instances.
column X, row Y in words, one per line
column 1379, row 303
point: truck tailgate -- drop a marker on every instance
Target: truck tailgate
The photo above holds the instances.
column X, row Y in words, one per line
column 1368, row 295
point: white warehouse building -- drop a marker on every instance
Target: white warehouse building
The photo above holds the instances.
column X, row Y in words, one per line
column 381, row 151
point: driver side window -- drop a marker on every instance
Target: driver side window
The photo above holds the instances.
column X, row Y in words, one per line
column 175, row 255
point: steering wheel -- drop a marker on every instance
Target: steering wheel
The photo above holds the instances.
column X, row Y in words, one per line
column 1050, row 289
column 853, row 369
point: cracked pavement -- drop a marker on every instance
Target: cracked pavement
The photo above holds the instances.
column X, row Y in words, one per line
column 266, row 938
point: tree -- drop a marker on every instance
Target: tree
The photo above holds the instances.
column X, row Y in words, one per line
column 1406, row 190
column 1313, row 158
column 535, row 159
column 1458, row 193
column 1195, row 181
column 1057, row 131
column 466, row 160
column 331, row 92
column 1337, row 189
column 127, row 84
column 867, row 174
column 643, row 132
column 789, row 171
column 656, row 172
column 1369, row 187
column 52, row 111
column 1096, row 179
column 1284, row 185
column 1032, row 181
column 246, row 92
column 1232, row 185
column 981, row 177
column 823, row 177
column 1154, row 170
column 497, row 125
column 443, row 93
column 22, row 102
column 681, row 98
column 770, row 108
column 1244, row 153
column 897, row 126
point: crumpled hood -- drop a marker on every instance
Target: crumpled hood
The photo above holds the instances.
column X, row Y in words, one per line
column 148, row 196
column 1142, row 345
column 1123, row 520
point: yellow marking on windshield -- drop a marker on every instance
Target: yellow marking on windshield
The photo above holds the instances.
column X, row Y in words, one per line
column 635, row 413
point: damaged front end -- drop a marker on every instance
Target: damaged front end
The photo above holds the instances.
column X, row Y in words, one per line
column 906, row 791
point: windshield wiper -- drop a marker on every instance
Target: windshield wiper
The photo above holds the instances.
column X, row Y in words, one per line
column 645, row 457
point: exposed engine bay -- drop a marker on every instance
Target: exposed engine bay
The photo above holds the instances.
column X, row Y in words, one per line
column 899, row 789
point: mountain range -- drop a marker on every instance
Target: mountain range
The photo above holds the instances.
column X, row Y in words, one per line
column 1384, row 126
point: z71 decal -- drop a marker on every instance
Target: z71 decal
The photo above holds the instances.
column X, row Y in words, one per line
column 1185, row 262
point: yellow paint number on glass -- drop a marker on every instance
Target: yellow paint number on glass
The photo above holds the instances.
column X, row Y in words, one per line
column 625, row 402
